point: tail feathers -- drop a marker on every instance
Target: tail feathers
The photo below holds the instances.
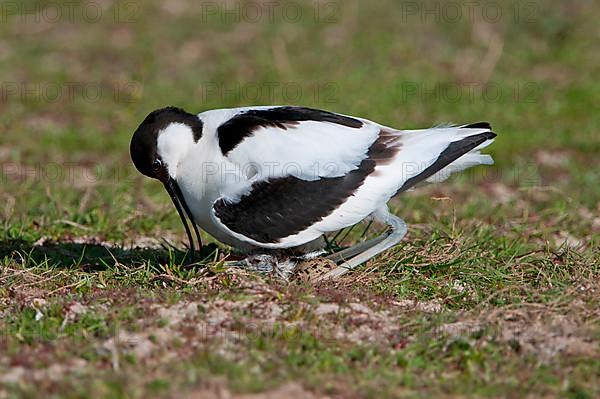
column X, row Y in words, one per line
column 466, row 161
column 466, row 148
column 478, row 125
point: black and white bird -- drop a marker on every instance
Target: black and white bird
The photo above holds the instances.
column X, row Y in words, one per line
column 279, row 177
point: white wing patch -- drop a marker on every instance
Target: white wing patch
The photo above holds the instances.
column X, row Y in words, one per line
column 308, row 150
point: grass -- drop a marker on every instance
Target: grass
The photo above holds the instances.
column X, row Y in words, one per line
column 494, row 292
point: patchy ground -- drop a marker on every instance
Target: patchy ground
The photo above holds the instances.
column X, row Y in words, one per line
column 493, row 293
column 472, row 314
column 263, row 335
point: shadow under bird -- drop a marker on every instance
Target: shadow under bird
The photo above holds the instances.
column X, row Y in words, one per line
column 280, row 177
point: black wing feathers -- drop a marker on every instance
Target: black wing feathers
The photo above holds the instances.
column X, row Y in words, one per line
column 281, row 207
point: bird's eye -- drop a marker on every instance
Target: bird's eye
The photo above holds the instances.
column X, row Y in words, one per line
column 157, row 164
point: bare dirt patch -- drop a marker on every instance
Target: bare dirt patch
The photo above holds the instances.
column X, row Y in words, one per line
column 288, row 391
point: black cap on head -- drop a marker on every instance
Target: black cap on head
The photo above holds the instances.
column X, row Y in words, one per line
column 143, row 142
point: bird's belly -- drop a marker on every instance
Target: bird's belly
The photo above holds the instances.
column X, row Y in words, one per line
column 200, row 199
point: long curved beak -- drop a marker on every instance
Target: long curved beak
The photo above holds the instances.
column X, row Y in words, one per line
column 179, row 201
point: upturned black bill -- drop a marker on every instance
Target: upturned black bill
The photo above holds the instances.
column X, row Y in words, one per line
column 179, row 201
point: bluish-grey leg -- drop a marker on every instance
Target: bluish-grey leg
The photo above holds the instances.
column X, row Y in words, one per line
column 369, row 249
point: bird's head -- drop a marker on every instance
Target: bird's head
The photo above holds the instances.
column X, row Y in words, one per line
column 158, row 145
column 162, row 140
